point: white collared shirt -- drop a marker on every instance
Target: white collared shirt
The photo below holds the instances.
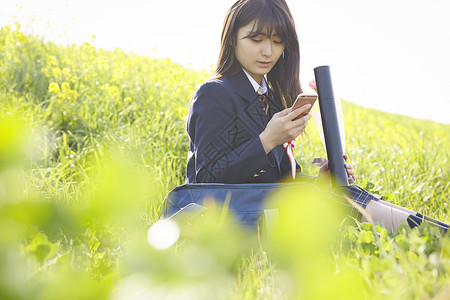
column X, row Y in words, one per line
column 259, row 88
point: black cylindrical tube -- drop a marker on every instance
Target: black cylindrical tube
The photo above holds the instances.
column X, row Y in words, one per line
column 336, row 162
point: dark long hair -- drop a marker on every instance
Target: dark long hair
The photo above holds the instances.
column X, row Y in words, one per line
column 269, row 15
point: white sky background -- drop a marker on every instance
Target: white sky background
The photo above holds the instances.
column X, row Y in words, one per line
column 392, row 55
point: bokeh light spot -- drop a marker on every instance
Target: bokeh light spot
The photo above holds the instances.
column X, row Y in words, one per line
column 163, row 234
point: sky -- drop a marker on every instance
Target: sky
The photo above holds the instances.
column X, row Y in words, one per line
column 392, row 55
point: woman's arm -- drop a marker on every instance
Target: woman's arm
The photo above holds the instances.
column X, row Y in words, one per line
column 212, row 129
column 283, row 127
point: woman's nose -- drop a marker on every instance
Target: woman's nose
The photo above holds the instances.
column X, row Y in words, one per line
column 267, row 48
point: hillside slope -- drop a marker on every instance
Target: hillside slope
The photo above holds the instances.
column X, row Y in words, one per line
column 92, row 140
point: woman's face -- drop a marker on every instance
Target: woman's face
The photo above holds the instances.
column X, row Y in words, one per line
column 259, row 54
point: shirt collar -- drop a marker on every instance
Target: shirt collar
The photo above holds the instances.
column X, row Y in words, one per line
column 260, row 89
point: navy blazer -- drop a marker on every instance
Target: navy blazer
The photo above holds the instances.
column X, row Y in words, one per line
column 224, row 123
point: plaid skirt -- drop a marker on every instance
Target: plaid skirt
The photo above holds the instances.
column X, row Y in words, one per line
column 356, row 194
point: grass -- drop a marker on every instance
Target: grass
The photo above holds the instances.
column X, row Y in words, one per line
column 90, row 143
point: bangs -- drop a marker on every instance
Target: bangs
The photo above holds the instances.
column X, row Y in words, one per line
column 270, row 21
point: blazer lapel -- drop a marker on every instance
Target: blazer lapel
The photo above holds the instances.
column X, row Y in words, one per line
column 253, row 109
column 242, row 86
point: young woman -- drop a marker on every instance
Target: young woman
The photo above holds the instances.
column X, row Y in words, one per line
column 239, row 121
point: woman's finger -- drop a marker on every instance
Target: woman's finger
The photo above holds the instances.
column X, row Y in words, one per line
column 351, row 179
column 298, row 111
column 349, row 168
column 282, row 113
column 350, row 173
column 293, row 133
column 303, row 121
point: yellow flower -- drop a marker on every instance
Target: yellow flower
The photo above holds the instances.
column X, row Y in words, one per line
column 65, row 87
column 114, row 92
column 53, row 87
column 56, row 73
column 66, row 72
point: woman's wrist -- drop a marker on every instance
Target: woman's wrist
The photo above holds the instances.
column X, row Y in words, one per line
column 266, row 143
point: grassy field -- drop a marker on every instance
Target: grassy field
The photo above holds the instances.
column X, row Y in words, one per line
column 90, row 143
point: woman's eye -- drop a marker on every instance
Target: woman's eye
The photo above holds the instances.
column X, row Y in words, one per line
column 256, row 40
column 278, row 42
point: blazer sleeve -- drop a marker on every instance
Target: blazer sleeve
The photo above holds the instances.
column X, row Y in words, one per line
column 211, row 125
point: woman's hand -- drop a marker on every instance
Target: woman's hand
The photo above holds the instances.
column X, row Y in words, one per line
column 350, row 172
column 282, row 128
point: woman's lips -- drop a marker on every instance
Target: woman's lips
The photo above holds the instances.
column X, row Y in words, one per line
column 264, row 64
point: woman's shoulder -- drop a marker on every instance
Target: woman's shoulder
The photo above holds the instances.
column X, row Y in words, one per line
column 213, row 84
column 229, row 84
column 213, row 89
column 212, row 98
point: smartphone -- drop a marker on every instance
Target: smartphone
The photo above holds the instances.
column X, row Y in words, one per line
column 302, row 99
